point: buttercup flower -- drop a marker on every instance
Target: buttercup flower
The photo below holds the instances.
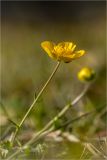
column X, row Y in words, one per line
column 64, row 51
column 86, row 74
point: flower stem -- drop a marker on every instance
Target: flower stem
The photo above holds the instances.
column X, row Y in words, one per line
column 35, row 100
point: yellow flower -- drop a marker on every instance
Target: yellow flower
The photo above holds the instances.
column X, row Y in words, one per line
column 64, row 51
column 86, row 74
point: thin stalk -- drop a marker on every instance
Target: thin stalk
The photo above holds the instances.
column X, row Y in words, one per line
column 27, row 144
column 48, row 127
column 59, row 115
column 35, row 100
column 5, row 110
column 95, row 151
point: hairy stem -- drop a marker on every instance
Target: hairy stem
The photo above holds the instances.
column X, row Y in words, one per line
column 34, row 102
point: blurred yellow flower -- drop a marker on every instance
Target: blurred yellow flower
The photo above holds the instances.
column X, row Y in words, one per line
column 86, row 74
column 64, row 51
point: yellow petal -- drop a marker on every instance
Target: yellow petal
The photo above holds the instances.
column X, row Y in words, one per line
column 73, row 47
column 48, row 47
column 61, row 44
column 64, row 48
column 66, row 45
column 69, row 47
column 78, row 54
column 69, row 58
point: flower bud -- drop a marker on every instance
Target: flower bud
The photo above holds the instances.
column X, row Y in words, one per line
column 86, row 74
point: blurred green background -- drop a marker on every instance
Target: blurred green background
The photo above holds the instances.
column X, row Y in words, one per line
column 25, row 67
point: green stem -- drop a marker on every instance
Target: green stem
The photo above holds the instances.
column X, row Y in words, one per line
column 48, row 128
column 59, row 115
column 35, row 100
column 37, row 135
column 5, row 110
